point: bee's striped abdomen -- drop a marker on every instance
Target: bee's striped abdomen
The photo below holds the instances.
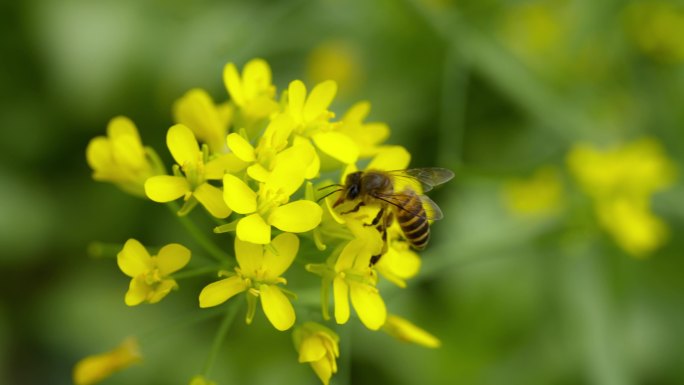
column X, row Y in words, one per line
column 412, row 219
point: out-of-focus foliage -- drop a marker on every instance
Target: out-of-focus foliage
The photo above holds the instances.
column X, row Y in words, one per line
column 495, row 90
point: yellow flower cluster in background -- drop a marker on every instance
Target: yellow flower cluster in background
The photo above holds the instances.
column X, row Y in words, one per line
column 254, row 163
column 621, row 182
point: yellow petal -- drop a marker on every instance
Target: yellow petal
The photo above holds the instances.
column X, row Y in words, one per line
column 337, row 145
column 197, row 111
column 296, row 94
column 240, row 147
column 278, row 132
column 288, row 174
column 161, row 290
column 258, row 173
column 349, row 253
column 253, row 229
column 238, row 196
column 212, row 199
column 286, row 245
column 219, row 166
column 231, row 79
column 134, row 259
column 311, row 349
column 256, row 78
column 323, row 370
column 368, row 305
column 341, row 296
column 165, row 188
column 404, row 330
column 219, row 292
column 127, row 147
column 277, row 307
column 172, row 258
column 250, row 256
column 137, row 293
column 319, row 100
column 296, row 217
column 183, row 145
column 99, row 154
column 96, row 368
column 390, row 158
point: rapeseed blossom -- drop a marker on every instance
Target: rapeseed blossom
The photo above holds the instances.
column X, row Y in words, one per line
column 120, row 157
column 150, row 275
column 252, row 162
column 318, row 346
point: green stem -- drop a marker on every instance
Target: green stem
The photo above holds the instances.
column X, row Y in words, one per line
column 196, row 272
column 207, row 244
column 185, row 321
column 221, row 334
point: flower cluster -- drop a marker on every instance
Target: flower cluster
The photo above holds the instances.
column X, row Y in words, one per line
column 260, row 164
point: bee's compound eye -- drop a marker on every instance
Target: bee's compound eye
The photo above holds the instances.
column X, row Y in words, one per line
column 353, row 191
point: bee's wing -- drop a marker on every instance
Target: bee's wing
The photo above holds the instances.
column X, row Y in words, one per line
column 428, row 177
column 432, row 211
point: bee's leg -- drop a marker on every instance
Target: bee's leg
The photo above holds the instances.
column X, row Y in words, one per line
column 377, row 218
column 383, row 230
column 355, row 209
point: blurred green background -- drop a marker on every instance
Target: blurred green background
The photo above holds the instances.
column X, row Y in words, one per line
column 493, row 89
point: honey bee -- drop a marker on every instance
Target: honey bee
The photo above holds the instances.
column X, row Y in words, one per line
column 411, row 209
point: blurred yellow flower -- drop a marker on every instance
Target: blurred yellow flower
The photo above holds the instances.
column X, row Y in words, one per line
column 539, row 195
column 197, row 169
column 269, row 206
column 621, row 182
column 319, row 346
column 209, row 122
column 149, row 274
column 96, row 368
column 201, row 380
column 259, row 274
column 656, row 28
column 120, row 157
column 406, row 331
column 336, row 60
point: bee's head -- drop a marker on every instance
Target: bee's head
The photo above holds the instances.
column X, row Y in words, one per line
column 353, row 185
column 352, row 188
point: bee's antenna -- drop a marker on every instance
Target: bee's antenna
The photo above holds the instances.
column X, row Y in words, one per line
column 328, row 194
column 330, row 185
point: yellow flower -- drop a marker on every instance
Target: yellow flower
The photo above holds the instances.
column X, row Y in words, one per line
column 259, row 274
column 621, row 182
column 312, row 120
column 252, row 92
column 319, row 346
column 367, row 136
column 273, row 145
column 351, row 277
column 201, row 380
column 149, row 274
column 96, row 368
column 120, row 157
column 406, row 331
column 269, row 206
column 197, row 170
column 208, row 122
column 539, row 195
